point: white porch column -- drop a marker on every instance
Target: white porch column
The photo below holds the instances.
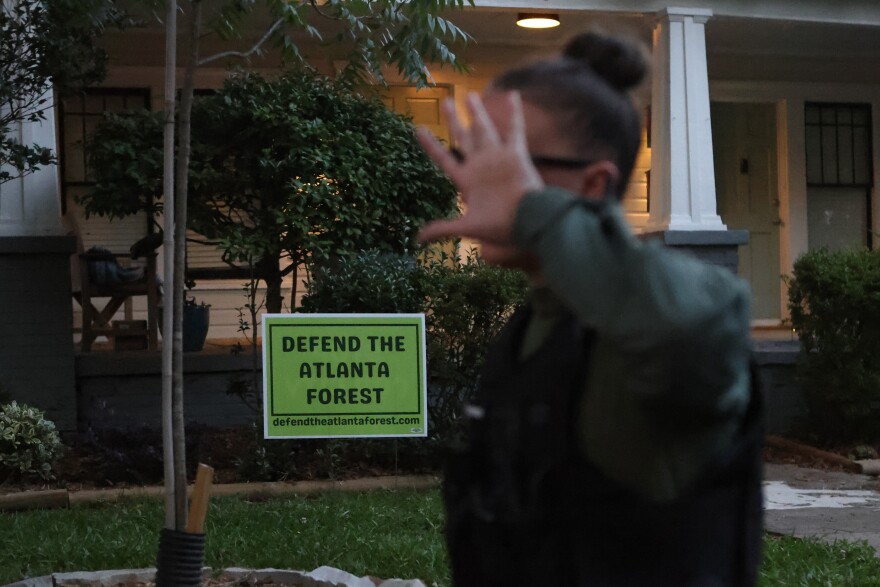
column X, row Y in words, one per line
column 30, row 205
column 682, row 169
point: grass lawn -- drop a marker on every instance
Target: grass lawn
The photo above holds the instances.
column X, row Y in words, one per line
column 381, row 533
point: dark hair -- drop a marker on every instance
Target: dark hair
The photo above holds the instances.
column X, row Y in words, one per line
column 586, row 89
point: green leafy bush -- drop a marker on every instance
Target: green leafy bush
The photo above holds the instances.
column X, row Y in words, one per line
column 834, row 299
column 466, row 303
column 29, row 443
column 372, row 281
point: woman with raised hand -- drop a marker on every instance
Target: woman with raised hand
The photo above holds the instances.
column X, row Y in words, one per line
column 616, row 437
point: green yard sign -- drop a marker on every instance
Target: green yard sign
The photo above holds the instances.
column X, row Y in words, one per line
column 344, row 375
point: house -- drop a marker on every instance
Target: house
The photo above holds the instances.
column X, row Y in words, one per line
column 761, row 135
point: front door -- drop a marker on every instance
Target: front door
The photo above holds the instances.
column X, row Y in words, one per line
column 422, row 105
column 744, row 143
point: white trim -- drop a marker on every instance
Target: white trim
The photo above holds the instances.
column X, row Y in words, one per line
column 679, row 14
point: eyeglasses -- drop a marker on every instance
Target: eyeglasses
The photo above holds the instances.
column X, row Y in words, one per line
column 542, row 161
column 561, row 162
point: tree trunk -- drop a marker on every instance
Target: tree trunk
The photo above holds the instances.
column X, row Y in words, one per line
column 294, row 278
column 168, row 319
column 269, row 270
column 180, row 213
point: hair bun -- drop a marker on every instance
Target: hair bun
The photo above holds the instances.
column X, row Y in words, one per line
column 620, row 63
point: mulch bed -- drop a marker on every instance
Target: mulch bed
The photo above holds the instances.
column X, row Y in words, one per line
column 788, row 452
column 120, row 459
column 134, row 459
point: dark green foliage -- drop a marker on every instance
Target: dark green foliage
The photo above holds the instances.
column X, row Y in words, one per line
column 314, row 169
column 466, row 304
column 284, row 172
column 43, row 43
column 834, row 299
column 365, row 35
column 372, row 281
column 126, row 152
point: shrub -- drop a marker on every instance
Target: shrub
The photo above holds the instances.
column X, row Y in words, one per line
column 466, row 304
column 29, row 443
column 372, row 281
column 834, row 299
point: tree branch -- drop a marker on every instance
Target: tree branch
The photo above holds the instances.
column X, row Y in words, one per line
column 318, row 10
column 249, row 52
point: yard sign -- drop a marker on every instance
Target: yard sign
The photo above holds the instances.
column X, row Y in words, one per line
column 344, row 375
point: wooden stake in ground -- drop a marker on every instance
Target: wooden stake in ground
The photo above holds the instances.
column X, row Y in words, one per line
column 198, row 509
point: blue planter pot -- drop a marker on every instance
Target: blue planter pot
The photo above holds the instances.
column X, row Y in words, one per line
column 196, row 320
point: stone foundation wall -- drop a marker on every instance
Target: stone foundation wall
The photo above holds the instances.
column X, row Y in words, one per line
column 124, row 389
column 36, row 325
column 784, row 406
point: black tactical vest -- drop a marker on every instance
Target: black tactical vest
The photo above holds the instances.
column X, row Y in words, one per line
column 525, row 508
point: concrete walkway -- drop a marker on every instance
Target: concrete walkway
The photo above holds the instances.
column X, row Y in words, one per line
column 826, row 505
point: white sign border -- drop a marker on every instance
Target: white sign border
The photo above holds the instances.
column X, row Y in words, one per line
column 422, row 358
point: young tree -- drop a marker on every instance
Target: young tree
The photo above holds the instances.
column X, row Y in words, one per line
column 45, row 44
column 373, row 32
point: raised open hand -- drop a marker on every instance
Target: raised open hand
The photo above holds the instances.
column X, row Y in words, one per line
column 494, row 174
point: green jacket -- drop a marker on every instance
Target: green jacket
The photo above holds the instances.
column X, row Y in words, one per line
column 669, row 372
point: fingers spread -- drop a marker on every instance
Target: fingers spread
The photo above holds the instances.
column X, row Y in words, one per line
column 483, row 131
column 460, row 135
column 438, row 153
column 516, row 123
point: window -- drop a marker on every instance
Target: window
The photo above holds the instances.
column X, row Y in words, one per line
column 839, row 178
column 79, row 114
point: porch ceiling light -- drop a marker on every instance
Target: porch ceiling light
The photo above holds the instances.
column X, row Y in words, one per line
column 537, row 21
